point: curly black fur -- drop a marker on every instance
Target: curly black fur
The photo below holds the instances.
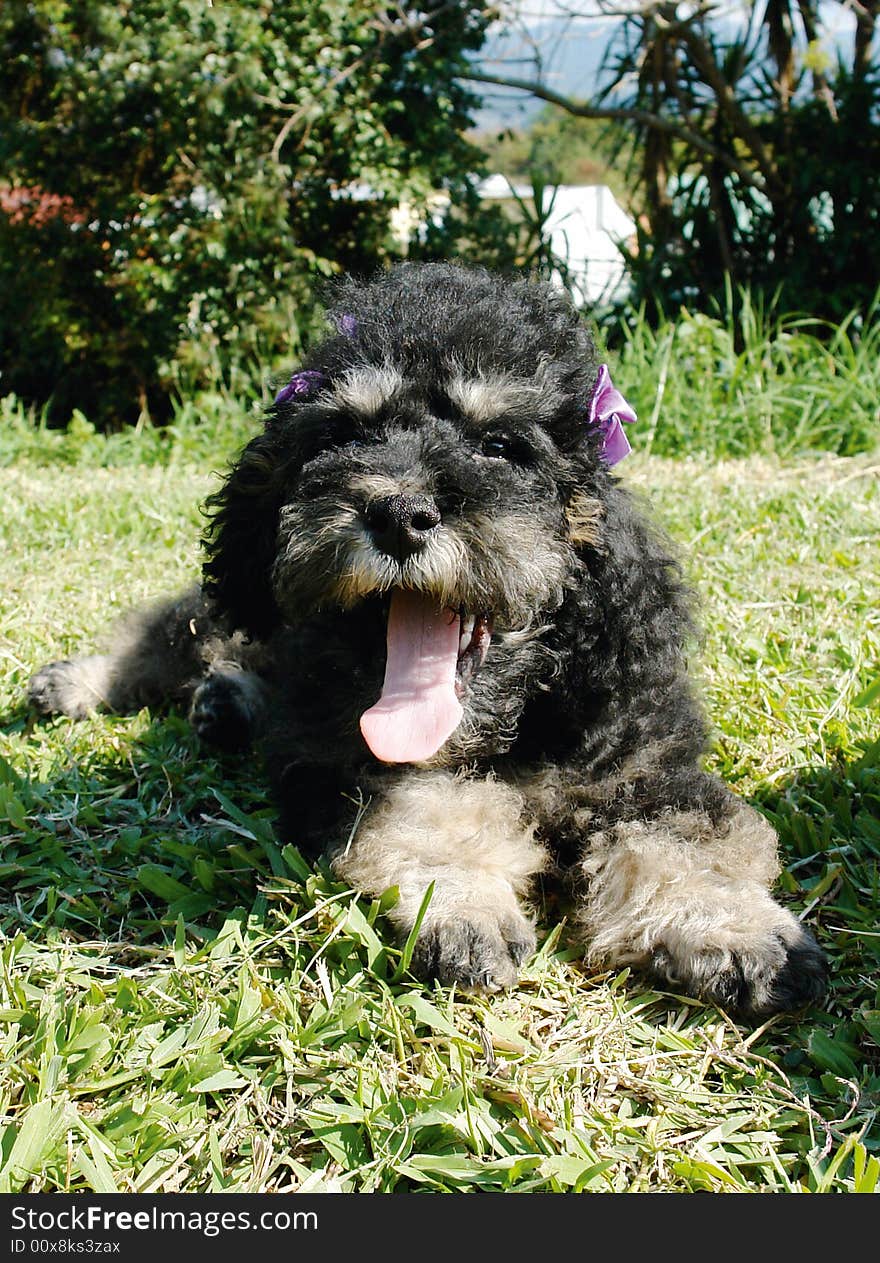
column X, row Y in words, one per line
column 580, row 742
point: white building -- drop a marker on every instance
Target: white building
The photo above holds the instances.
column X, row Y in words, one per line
column 584, row 225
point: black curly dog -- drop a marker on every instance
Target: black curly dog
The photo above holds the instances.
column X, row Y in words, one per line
column 425, row 591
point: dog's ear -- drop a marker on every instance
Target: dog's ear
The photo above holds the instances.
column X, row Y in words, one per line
column 240, row 540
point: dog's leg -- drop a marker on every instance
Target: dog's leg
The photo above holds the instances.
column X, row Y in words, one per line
column 73, row 686
column 469, row 838
column 686, row 897
column 157, row 654
column 153, row 654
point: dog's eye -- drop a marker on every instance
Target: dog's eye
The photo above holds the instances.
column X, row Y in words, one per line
column 496, row 445
column 505, row 446
column 348, row 433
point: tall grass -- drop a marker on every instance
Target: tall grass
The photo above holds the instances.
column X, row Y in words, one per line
column 751, row 380
column 208, row 428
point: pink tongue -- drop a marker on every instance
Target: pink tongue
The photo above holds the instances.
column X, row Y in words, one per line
column 418, row 709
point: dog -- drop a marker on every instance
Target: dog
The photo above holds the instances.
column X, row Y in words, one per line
column 429, row 597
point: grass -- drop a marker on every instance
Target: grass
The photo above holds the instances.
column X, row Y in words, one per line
column 752, row 379
column 185, row 1005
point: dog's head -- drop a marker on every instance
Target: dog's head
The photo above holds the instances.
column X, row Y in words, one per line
column 434, row 458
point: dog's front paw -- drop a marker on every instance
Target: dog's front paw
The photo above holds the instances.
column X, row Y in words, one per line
column 63, row 688
column 784, row 971
column 474, row 949
column 222, row 712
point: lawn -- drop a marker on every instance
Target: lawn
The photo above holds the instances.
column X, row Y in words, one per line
column 185, row 1005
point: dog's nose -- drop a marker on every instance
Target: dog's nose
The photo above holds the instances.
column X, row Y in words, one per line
column 402, row 525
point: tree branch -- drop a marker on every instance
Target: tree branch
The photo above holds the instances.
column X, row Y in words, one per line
column 649, row 119
column 727, row 102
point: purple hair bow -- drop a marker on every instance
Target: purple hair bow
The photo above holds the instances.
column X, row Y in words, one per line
column 301, row 385
column 309, row 380
column 610, row 411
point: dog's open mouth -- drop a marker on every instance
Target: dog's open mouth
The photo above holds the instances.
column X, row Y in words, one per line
column 432, row 655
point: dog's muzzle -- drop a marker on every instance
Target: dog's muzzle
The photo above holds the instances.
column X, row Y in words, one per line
column 432, row 651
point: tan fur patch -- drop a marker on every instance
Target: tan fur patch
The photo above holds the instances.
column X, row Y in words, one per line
column 481, row 399
column 365, row 570
column 466, row 836
column 584, row 516
column 684, row 886
column 367, row 389
column 523, row 564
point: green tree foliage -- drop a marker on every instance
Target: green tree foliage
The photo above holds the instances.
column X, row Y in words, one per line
column 175, row 176
column 759, row 154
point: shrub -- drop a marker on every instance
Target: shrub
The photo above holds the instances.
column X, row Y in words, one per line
column 177, row 176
